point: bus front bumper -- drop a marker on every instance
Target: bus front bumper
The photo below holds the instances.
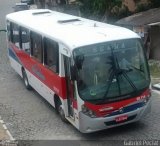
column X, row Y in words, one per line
column 88, row 124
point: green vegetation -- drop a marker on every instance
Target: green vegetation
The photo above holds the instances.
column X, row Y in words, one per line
column 102, row 10
column 111, row 10
column 154, row 3
column 151, row 4
column 154, row 70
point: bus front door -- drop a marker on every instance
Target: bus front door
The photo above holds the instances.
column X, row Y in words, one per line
column 69, row 87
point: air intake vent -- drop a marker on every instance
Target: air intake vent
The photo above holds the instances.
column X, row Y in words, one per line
column 67, row 21
column 42, row 12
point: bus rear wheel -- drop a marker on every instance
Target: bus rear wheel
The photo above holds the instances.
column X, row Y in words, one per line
column 25, row 80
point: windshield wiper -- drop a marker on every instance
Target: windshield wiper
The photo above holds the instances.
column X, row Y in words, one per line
column 116, row 72
column 140, row 70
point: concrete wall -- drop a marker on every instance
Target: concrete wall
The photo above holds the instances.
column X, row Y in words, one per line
column 155, row 42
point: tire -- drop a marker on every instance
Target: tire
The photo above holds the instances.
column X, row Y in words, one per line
column 61, row 112
column 25, row 80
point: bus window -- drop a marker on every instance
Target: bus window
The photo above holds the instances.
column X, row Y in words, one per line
column 15, row 35
column 9, row 30
column 51, row 58
column 36, row 46
column 25, row 39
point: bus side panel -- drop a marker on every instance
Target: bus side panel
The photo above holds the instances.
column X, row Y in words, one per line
column 41, row 88
column 54, row 81
column 14, row 59
column 45, row 81
column 15, row 65
column 47, row 77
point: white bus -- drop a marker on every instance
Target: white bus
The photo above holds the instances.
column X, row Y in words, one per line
column 94, row 74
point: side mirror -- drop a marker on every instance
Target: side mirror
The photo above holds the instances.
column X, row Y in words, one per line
column 4, row 30
column 73, row 73
column 79, row 61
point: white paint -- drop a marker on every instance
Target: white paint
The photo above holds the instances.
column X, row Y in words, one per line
column 48, row 94
column 16, row 66
column 41, row 88
column 64, row 50
column 70, row 34
column 6, row 129
column 44, row 90
column 157, row 85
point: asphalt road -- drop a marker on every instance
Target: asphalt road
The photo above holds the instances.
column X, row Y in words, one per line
column 28, row 116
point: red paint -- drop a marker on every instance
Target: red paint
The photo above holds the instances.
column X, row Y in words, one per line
column 75, row 106
column 98, row 109
column 58, row 85
column 121, row 118
column 51, row 79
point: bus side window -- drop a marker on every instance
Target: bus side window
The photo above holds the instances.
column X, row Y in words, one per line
column 51, row 54
column 25, row 40
column 36, row 46
column 15, row 35
column 9, row 30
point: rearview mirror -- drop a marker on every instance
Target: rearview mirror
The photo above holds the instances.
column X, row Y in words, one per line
column 79, row 61
column 73, row 73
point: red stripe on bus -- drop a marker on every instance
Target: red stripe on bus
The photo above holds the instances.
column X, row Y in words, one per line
column 51, row 79
column 104, row 109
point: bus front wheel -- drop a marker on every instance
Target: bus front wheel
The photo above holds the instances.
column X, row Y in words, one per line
column 61, row 112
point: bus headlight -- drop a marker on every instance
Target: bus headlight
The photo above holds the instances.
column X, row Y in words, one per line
column 147, row 98
column 88, row 112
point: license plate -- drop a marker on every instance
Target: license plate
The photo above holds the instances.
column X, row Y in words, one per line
column 121, row 118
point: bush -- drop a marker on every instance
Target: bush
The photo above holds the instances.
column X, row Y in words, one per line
column 154, row 68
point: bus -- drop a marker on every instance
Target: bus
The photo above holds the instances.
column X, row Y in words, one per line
column 94, row 74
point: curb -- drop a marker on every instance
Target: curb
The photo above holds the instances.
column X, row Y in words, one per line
column 156, row 91
column 6, row 132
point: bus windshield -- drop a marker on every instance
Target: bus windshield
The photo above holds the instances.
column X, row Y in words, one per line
column 112, row 70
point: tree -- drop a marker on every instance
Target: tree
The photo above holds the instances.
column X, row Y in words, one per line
column 154, row 3
column 50, row 3
column 99, row 9
column 40, row 3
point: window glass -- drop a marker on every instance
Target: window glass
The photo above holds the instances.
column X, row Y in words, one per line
column 106, row 70
column 25, row 39
column 51, row 58
column 9, row 30
column 36, row 46
column 15, row 36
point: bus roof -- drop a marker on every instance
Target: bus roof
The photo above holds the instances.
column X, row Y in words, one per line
column 70, row 30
